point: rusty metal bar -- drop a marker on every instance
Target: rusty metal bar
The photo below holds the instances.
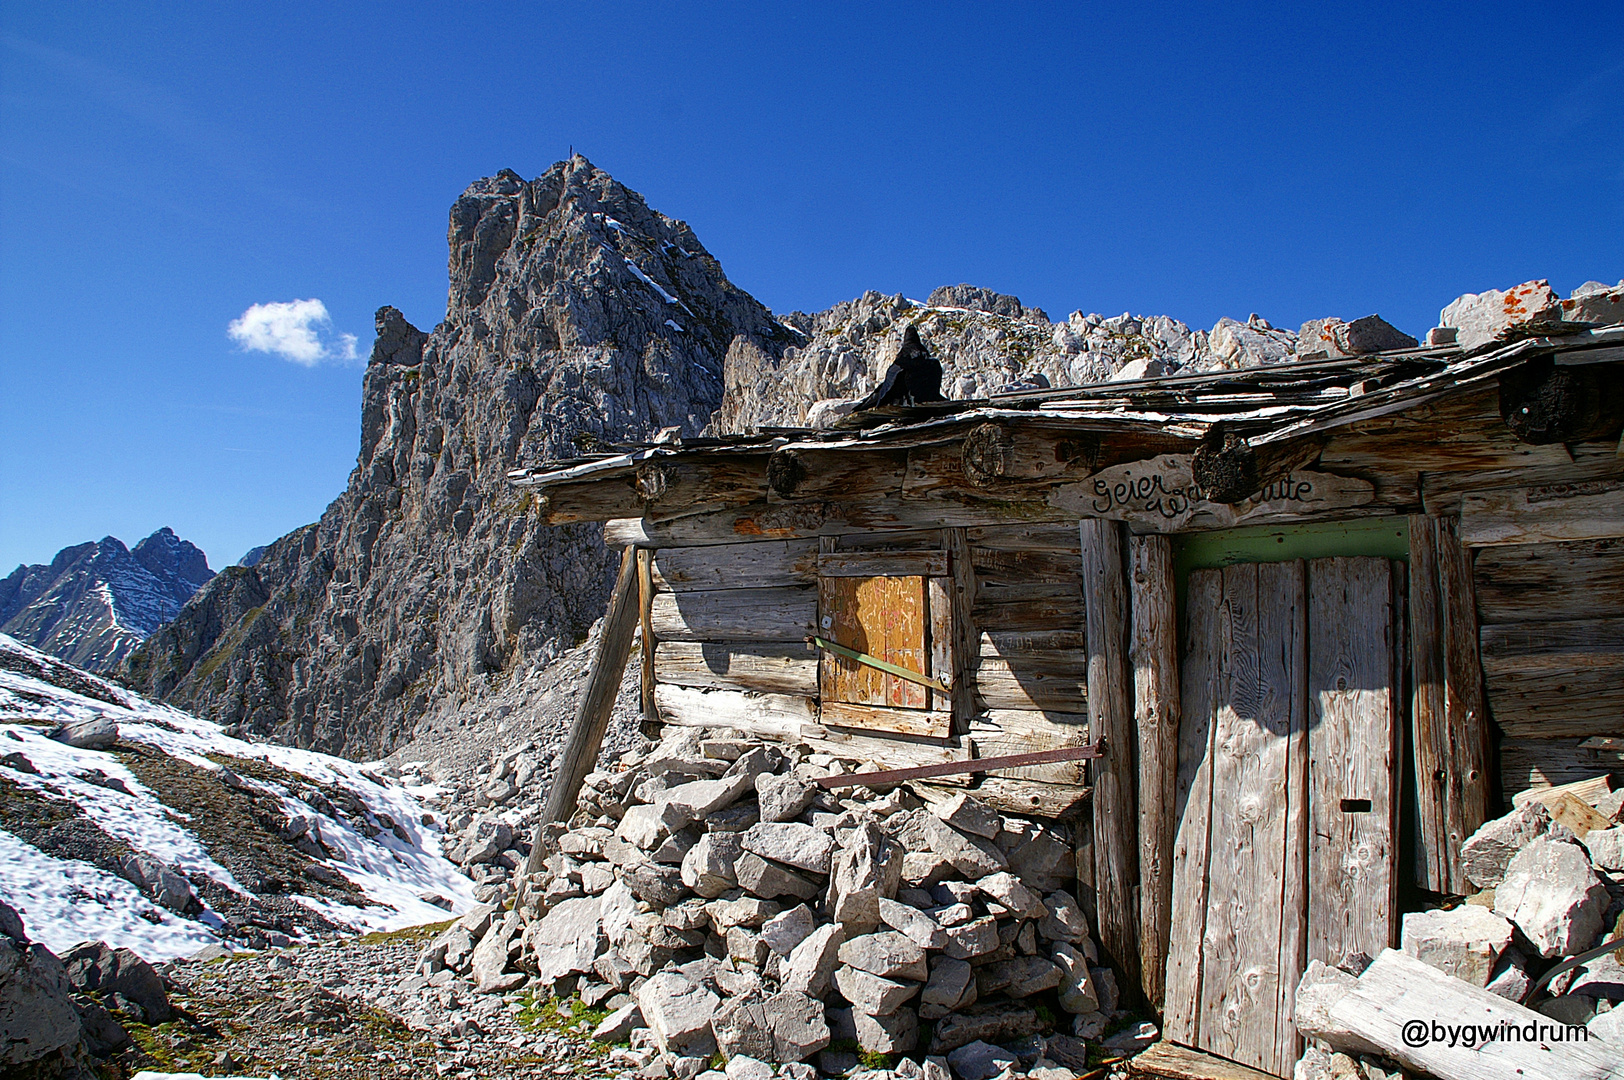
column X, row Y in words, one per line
column 970, row 765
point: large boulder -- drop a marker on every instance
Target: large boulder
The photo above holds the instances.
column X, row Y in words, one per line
column 93, row 967
column 37, row 1015
column 97, row 733
column 1486, row 853
column 488, row 964
column 568, row 938
column 1553, row 896
column 679, row 1011
column 167, row 887
column 1465, row 942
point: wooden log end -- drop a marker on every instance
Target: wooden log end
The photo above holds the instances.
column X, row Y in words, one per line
column 785, row 472
column 1542, row 402
column 1225, row 467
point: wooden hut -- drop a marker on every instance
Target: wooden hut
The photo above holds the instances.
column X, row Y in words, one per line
column 1319, row 619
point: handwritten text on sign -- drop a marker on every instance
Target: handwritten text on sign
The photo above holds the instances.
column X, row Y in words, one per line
column 1160, row 492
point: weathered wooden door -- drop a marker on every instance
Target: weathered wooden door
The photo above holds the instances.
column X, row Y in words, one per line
column 1284, row 840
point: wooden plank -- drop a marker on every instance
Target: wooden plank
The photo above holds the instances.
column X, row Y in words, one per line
column 1153, row 652
column 645, row 598
column 882, row 564
column 1040, row 643
column 1543, row 646
column 1257, row 888
column 883, row 617
column 771, row 716
column 658, row 491
column 1354, row 727
column 776, row 668
column 1612, row 354
column 1059, row 538
column 1200, row 687
column 1169, row 1061
column 1550, row 582
column 597, row 701
column 790, row 520
column 1031, row 798
column 922, row 723
column 1527, row 764
column 761, row 565
column 1441, row 492
column 1466, row 713
column 962, row 589
column 964, row 767
column 1589, row 790
column 996, row 567
column 1014, row 684
column 886, row 753
column 784, row 614
column 939, row 637
column 1110, row 717
column 998, row 732
column 1546, row 513
column 1015, row 610
column 1552, row 704
column 1437, row 859
column 1398, row 989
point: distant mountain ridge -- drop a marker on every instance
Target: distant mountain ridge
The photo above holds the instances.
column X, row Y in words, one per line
column 95, row 602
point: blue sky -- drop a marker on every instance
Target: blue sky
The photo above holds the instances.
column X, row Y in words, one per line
column 163, row 168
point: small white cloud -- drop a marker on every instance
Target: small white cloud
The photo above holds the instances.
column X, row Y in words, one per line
column 296, row 330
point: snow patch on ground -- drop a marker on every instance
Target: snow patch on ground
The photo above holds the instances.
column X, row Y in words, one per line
column 66, row 901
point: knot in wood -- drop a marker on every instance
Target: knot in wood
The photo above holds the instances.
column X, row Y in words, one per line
column 989, row 454
column 785, row 471
column 651, row 482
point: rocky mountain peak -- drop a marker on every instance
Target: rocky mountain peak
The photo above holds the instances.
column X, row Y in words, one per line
column 94, row 603
column 576, row 316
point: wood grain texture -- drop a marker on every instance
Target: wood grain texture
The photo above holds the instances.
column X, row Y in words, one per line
column 1449, row 718
column 939, row 637
column 645, row 598
column 783, row 614
column 882, row 564
column 1017, row 684
column 883, row 617
column 1057, row 537
column 1441, row 492
column 1545, row 513
column 1050, row 644
column 1031, row 798
column 887, row 753
column 962, row 589
column 1169, row 1061
column 1200, row 689
column 761, row 565
column 777, row 668
column 1540, row 763
column 1354, row 730
column 1578, row 702
column 999, row 732
column 1153, row 652
column 1110, row 715
column 770, row 716
column 1398, row 988
column 999, row 567
column 1257, row 889
column 597, row 700
column 1436, row 863
column 921, row 723
column 1550, row 582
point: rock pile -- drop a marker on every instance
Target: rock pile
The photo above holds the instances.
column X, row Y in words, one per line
column 718, row 901
column 1551, row 875
column 58, row 1014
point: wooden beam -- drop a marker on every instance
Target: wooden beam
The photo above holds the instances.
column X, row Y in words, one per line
column 765, row 667
column 1024, row 683
column 659, row 490
column 994, row 454
column 921, row 723
column 882, row 564
column 597, row 698
column 735, row 615
column 1169, row 1061
column 1544, row 513
column 961, row 603
column 976, row 765
column 1398, row 989
column 1154, row 654
column 1550, row 582
column 645, row 598
column 771, row 716
column 1110, row 717
column 1449, row 721
column 762, row 564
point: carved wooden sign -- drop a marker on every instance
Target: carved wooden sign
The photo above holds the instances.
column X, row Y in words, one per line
column 1160, row 492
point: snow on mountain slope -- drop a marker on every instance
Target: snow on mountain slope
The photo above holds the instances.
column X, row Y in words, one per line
column 273, row 842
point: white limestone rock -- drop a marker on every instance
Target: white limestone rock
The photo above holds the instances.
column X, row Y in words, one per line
column 791, row 843
column 810, row 965
column 872, row 994
column 1486, row 852
column 1486, row 317
column 888, row 954
column 1606, row 847
column 679, row 1011
column 788, row 929
column 1553, row 896
column 1465, row 942
column 925, row 931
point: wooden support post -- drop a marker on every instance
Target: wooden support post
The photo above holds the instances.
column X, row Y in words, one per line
column 645, row 607
column 1450, row 730
column 598, row 697
column 966, row 637
column 1110, row 717
column 1154, row 654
